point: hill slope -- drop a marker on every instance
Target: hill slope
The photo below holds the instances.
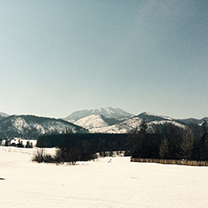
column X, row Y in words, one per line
column 34, row 126
column 3, row 114
column 128, row 124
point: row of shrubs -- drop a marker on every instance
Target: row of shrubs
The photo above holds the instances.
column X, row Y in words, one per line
column 175, row 162
column 72, row 156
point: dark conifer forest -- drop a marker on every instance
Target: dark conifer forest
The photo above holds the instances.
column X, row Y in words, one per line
column 166, row 142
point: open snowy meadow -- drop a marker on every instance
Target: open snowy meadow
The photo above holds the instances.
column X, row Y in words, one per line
column 100, row 183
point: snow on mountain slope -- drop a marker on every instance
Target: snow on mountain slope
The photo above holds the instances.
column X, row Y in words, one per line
column 19, row 123
column 108, row 112
column 153, row 117
column 100, row 123
column 122, row 127
column 3, row 114
column 166, row 122
column 91, row 122
column 134, row 122
column 103, row 120
column 111, row 112
column 34, row 126
column 46, row 127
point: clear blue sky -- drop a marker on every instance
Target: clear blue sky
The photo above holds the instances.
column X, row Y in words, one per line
column 59, row 56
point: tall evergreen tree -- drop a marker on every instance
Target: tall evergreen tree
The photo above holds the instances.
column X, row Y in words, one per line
column 143, row 126
column 187, row 143
column 164, row 149
column 204, row 142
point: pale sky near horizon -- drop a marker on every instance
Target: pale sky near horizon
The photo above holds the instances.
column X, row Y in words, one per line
column 59, row 56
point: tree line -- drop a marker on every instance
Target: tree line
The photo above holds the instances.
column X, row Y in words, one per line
column 165, row 141
column 171, row 142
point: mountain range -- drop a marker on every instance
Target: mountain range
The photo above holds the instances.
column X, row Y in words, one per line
column 101, row 124
column 109, row 112
column 115, row 120
column 103, row 120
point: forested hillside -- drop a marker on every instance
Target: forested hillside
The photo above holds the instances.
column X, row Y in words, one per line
column 166, row 142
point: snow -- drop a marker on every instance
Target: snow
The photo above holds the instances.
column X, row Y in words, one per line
column 108, row 112
column 152, row 114
column 95, row 124
column 121, row 128
column 98, row 183
column 20, row 123
column 16, row 140
column 165, row 121
column 91, row 122
column 45, row 127
column 114, row 129
column 3, row 114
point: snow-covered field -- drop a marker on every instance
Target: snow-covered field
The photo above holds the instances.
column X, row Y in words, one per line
column 100, row 184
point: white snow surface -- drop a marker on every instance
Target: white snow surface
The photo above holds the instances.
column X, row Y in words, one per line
column 93, row 121
column 108, row 112
column 118, row 184
column 123, row 127
column 152, row 114
column 16, row 140
column 46, row 127
column 3, row 114
column 165, row 121
column 20, row 123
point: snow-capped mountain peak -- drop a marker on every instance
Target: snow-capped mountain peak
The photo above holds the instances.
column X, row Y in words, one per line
column 108, row 112
column 103, row 124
